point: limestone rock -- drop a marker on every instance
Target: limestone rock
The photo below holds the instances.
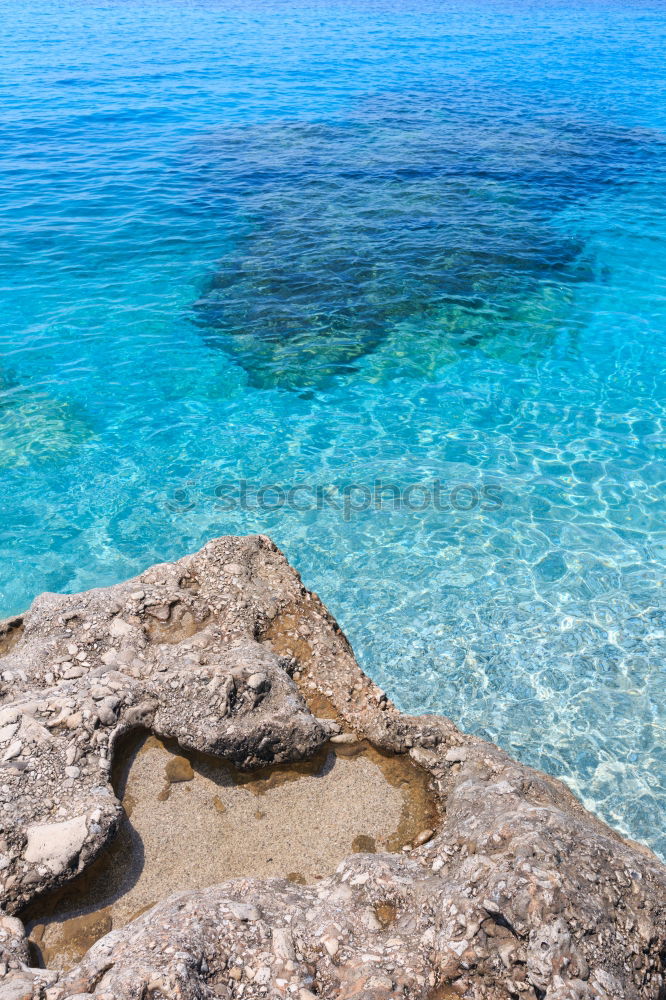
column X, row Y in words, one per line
column 516, row 892
column 55, row 844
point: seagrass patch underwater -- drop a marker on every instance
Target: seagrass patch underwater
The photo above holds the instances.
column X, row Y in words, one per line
column 335, row 246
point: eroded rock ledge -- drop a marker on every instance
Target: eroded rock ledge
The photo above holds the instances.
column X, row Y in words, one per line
column 519, row 893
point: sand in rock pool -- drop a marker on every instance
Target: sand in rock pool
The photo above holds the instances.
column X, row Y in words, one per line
column 194, row 821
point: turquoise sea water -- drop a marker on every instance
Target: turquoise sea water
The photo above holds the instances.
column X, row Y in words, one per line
column 336, row 244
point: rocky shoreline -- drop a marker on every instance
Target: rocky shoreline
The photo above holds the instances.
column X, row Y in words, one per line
column 517, row 892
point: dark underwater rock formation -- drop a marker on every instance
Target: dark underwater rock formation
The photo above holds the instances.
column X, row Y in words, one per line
column 412, row 220
column 517, row 892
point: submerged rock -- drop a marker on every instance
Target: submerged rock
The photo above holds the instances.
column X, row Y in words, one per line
column 392, row 242
column 36, row 427
column 516, row 891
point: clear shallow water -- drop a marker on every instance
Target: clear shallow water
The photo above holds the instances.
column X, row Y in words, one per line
column 342, row 243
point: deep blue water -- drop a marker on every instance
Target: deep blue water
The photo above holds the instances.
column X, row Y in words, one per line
column 336, row 244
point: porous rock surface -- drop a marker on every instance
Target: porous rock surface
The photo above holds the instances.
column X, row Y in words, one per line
column 519, row 892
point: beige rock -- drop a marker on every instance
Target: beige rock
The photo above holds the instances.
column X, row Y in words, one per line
column 7, row 732
column 55, row 845
column 283, row 944
column 331, row 945
column 13, row 750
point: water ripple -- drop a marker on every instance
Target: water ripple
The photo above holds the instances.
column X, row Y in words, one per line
column 388, row 243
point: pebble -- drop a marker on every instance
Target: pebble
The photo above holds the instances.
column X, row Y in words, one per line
column 382, row 983
column 424, row 758
column 232, row 568
column 256, row 681
column 160, row 611
column 119, row 628
column 423, row 837
column 73, row 673
column 9, row 715
column 13, row 750
column 72, row 772
column 7, row 732
column 262, row 976
column 106, row 714
column 331, row 945
column 244, row 911
column 283, row 944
